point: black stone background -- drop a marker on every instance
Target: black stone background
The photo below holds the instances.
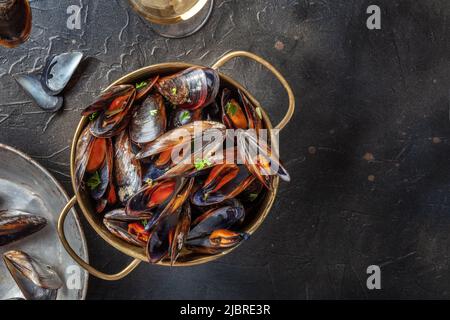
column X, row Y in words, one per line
column 360, row 93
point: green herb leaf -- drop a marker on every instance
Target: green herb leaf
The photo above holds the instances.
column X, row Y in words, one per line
column 153, row 112
column 252, row 197
column 259, row 113
column 231, row 109
column 141, row 85
column 94, row 181
column 93, row 116
column 201, row 164
column 185, row 116
column 144, row 223
column 174, row 91
column 149, row 181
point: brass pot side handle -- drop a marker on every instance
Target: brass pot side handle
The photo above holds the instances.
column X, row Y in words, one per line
column 235, row 54
column 86, row 266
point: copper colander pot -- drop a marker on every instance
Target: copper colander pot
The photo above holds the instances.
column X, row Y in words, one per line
column 95, row 220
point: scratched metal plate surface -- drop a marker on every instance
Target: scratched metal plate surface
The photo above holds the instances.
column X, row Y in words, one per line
column 367, row 149
column 27, row 187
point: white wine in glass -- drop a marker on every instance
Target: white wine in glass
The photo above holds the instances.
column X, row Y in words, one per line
column 174, row 18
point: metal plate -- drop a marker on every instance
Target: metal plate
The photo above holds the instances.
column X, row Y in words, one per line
column 25, row 185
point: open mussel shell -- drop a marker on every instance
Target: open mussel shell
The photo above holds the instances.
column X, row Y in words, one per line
column 260, row 160
column 149, row 120
column 192, row 88
column 126, row 227
column 113, row 111
column 100, row 167
column 218, row 241
column 238, row 112
column 84, row 148
column 36, row 280
column 127, row 169
column 32, row 86
column 59, row 70
column 145, row 87
column 168, row 235
column 158, row 166
column 225, row 181
column 219, row 218
column 15, row 22
column 151, row 199
column 182, row 135
column 16, row 225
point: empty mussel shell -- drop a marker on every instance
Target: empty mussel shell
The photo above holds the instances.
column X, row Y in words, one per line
column 16, row 225
column 32, row 86
column 36, row 280
column 59, row 70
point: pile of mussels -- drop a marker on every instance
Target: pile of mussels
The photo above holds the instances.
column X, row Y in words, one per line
column 125, row 160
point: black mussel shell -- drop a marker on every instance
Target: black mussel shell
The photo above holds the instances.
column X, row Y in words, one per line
column 192, row 88
column 127, row 169
column 148, row 120
column 34, row 89
column 117, row 222
column 59, row 70
column 16, row 225
column 214, row 219
column 36, row 280
column 217, row 242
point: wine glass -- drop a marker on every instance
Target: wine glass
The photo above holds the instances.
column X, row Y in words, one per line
column 174, row 18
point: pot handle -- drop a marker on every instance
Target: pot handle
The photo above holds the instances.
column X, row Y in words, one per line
column 234, row 54
column 86, row 266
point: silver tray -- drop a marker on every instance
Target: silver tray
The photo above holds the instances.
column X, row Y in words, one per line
column 26, row 185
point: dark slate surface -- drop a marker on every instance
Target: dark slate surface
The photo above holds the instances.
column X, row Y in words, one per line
column 368, row 148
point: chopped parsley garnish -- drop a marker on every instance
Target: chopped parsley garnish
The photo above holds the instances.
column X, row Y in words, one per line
column 153, row 112
column 141, row 85
column 174, row 91
column 144, row 223
column 185, row 116
column 201, row 164
column 93, row 116
column 231, row 108
column 149, row 181
column 252, row 197
column 94, row 181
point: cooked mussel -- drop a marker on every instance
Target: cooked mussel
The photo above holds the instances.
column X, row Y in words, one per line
column 218, row 241
column 130, row 229
column 112, row 111
column 16, row 225
column 168, row 235
column 218, row 218
column 36, row 280
column 100, row 167
column 127, row 169
column 151, row 199
column 143, row 88
column 148, row 120
column 238, row 112
column 260, row 159
column 225, row 181
column 192, row 88
column 15, row 22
